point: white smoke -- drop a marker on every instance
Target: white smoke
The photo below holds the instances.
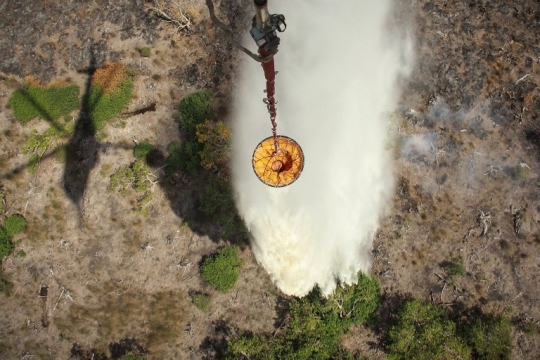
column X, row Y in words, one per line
column 338, row 68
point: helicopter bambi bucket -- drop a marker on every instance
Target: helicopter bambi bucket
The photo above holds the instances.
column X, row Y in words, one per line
column 278, row 160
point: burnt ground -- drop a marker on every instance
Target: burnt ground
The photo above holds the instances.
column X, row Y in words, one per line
column 467, row 162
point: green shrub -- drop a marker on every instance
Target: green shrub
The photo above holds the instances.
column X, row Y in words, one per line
column 214, row 137
column 105, row 105
column 47, row 103
column 61, row 153
column 37, row 144
column 490, row 337
column 456, row 267
column 221, row 270
column 133, row 179
column 145, row 51
column 193, row 110
column 174, row 159
column 142, row 149
column 521, row 173
column 315, row 327
column 14, row 224
column 6, row 245
column 216, row 202
column 132, row 356
column 423, row 332
column 531, row 328
column 356, row 303
column 201, row 301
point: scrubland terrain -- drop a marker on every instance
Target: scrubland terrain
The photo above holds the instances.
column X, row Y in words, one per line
column 104, row 271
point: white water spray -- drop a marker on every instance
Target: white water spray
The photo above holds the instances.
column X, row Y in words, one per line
column 336, row 84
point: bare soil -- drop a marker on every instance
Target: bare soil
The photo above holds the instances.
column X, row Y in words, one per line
column 102, row 281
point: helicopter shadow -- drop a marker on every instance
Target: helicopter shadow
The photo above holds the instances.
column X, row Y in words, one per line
column 83, row 148
column 187, row 194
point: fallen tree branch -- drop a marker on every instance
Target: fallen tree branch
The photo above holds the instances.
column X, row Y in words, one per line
column 151, row 107
column 184, row 23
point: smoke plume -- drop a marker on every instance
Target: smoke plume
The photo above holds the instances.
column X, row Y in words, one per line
column 339, row 63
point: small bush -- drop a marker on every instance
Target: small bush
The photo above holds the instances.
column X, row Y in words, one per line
column 201, row 301
column 133, row 179
column 45, row 102
column 15, row 224
column 105, row 106
column 61, row 153
column 521, row 173
column 490, row 337
column 216, row 202
column 456, row 267
column 6, row 245
column 145, row 51
column 37, row 144
column 316, row 325
column 194, row 110
column 531, row 328
column 222, row 269
column 424, row 333
column 356, row 303
column 214, row 137
column 142, row 149
column 133, row 357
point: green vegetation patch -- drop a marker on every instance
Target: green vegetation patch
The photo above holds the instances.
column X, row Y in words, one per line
column 15, row 224
column 216, row 203
column 423, row 332
column 142, row 149
column 105, row 105
column 456, row 267
column 221, row 270
column 6, row 245
column 355, row 304
column 145, row 51
column 520, row 173
column 133, row 357
column 490, row 337
column 201, row 301
column 45, row 102
column 134, row 180
column 193, row 110
column 12, row 226
column 315, row 327
column 214, row 137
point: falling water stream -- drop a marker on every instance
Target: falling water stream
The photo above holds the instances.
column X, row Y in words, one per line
column 339, row 63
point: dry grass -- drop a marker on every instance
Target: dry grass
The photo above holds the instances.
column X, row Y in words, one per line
column 34, row 81
column 157, row 318
column 110, row 77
